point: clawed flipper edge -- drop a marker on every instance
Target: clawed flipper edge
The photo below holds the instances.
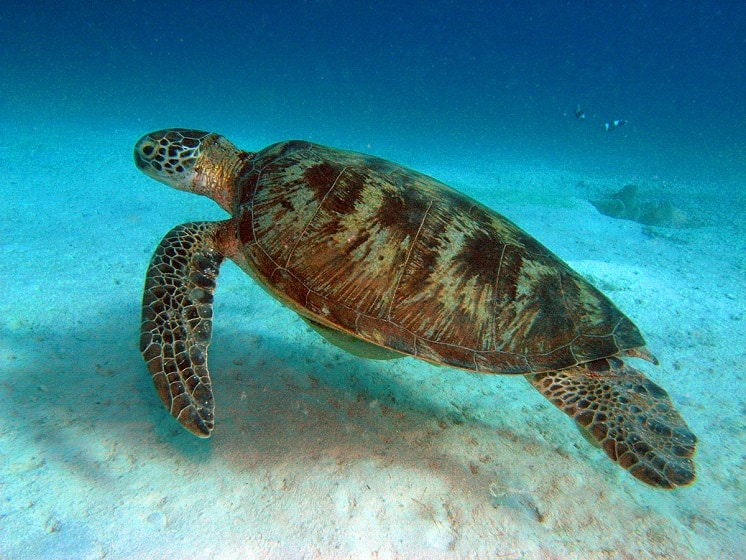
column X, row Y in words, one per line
column 176, row 328
column 632, row 418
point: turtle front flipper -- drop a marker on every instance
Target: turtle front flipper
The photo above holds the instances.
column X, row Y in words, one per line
column 177, row 321
column 631, row 417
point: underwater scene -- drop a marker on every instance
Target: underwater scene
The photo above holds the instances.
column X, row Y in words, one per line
column 471, row 277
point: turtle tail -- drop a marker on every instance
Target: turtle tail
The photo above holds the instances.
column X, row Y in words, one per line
column 632, row 418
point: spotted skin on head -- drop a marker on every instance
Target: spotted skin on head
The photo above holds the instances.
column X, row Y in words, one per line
column 169, row 155
column 195, row 161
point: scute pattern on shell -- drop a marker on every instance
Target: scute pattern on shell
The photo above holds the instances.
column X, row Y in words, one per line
column 404, row 261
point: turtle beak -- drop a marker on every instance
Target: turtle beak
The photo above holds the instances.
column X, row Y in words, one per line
column 146, row 153
column 169, row 155
column 139, row 160
column 150, row 159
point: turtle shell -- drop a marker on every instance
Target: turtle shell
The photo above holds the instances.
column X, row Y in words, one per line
column 400, row 260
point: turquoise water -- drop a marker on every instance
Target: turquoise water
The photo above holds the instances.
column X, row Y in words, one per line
column 318, row 454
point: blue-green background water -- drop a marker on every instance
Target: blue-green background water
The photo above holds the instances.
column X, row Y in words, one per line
column 318, row 454
column 468, row 76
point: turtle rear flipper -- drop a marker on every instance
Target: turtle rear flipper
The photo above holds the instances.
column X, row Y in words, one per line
column 632, row 418
column 177, row 321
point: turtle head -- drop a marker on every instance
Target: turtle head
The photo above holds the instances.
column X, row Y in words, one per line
column 191, row 160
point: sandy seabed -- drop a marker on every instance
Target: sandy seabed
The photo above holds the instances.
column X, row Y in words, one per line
column 316, row 453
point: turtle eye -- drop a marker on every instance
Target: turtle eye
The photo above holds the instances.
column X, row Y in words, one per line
column 147, row 149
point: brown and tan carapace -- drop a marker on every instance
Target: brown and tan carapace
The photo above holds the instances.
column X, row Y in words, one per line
column 386, row 262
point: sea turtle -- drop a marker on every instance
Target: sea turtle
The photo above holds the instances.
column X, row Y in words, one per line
column 387, row 262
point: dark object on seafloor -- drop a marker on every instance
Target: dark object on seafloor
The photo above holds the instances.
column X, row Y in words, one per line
column 627, row 205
